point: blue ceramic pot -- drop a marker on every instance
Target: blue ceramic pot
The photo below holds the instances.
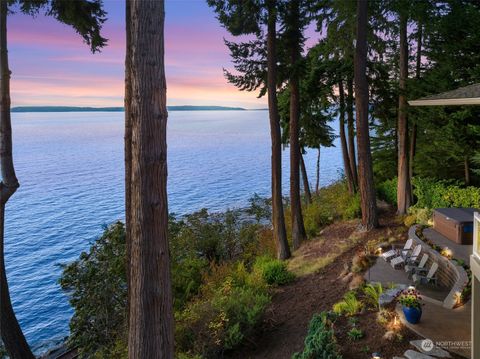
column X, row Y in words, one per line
column 412, row 314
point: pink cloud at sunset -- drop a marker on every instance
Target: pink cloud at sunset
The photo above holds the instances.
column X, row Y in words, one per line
column 52, row 66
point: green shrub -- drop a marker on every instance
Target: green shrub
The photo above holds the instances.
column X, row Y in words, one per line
column 206, row 251
column 260, row 208
column 387, row 191
column 218, row 237
column 355, row 334
column 273, row 271
column 409, row 220
column 186, row 278
column 208, row 235
column 320, row 340
column 316, row 216
column 118, row 351
column 332, row 202
column 352, row 209
column 372, row 292
column 231, row 304
column 244, row 308
column 436, row 194
column 417, row 215
column 256, row 240
column 96, row 286
column 432, row 194
column 349, row 306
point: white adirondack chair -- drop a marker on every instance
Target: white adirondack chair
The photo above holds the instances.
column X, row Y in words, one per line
column 412, row 267
column 387, row 256
column 402, row 259
column 429, row 278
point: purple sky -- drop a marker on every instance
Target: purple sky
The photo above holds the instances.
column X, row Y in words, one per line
column 52, row 66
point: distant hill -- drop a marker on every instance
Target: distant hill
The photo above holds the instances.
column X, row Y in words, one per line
column 204, row 108
column 117, row 109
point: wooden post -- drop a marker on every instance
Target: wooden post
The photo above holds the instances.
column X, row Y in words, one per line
column 475, row 268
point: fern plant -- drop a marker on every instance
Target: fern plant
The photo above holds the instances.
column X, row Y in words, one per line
column 349, row 306
column 372, row 292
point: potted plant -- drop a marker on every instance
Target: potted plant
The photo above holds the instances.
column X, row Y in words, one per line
column 411, row 305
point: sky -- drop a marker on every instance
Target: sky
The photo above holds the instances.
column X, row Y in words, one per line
column 51, row 66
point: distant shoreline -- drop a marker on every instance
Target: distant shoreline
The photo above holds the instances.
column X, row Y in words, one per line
column 121, row 109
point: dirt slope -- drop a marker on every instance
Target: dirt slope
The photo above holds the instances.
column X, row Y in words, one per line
column 285, row 324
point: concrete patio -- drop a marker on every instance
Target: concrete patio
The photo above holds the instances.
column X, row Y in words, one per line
column 382, row 272
column 447, row 328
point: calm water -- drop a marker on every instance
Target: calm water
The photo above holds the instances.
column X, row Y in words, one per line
column 70, row 166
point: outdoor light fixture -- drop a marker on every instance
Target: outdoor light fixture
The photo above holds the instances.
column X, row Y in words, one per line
column 458, row 298
column 447, row 252
column 395, row 324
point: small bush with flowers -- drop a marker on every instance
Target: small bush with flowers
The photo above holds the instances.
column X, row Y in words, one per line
column 410, row 298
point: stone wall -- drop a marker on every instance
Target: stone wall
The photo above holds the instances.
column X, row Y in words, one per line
column 449, row 274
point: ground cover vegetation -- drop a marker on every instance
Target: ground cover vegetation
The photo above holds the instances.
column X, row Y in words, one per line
column 223, row 273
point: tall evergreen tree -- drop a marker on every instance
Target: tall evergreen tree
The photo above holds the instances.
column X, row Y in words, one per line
column 294, row 39
column 256, row 63
column 450, row 48
column 128, row 149
column 150, row 332
column 306, row 184
column 337, row 20
column 403, row 183
column 343, row 140
column 316, row 108
column 86, row 17
column 365, row 170
column 423, row 12
column 413, row 131
column 351, row 132
column 278, row 218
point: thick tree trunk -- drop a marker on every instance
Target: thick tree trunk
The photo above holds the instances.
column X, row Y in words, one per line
column 365, row 170
column 466, row 166
column 128, row 150
column 306, row 185
column 12, row 336
column 151, row 308
column 298, row 229
column 317, row 185
column 351, row 133
column 278, row 217
column 413, row 136
column 343, row 141
column 411, row 152
column 418, row 64
column 403, row 187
